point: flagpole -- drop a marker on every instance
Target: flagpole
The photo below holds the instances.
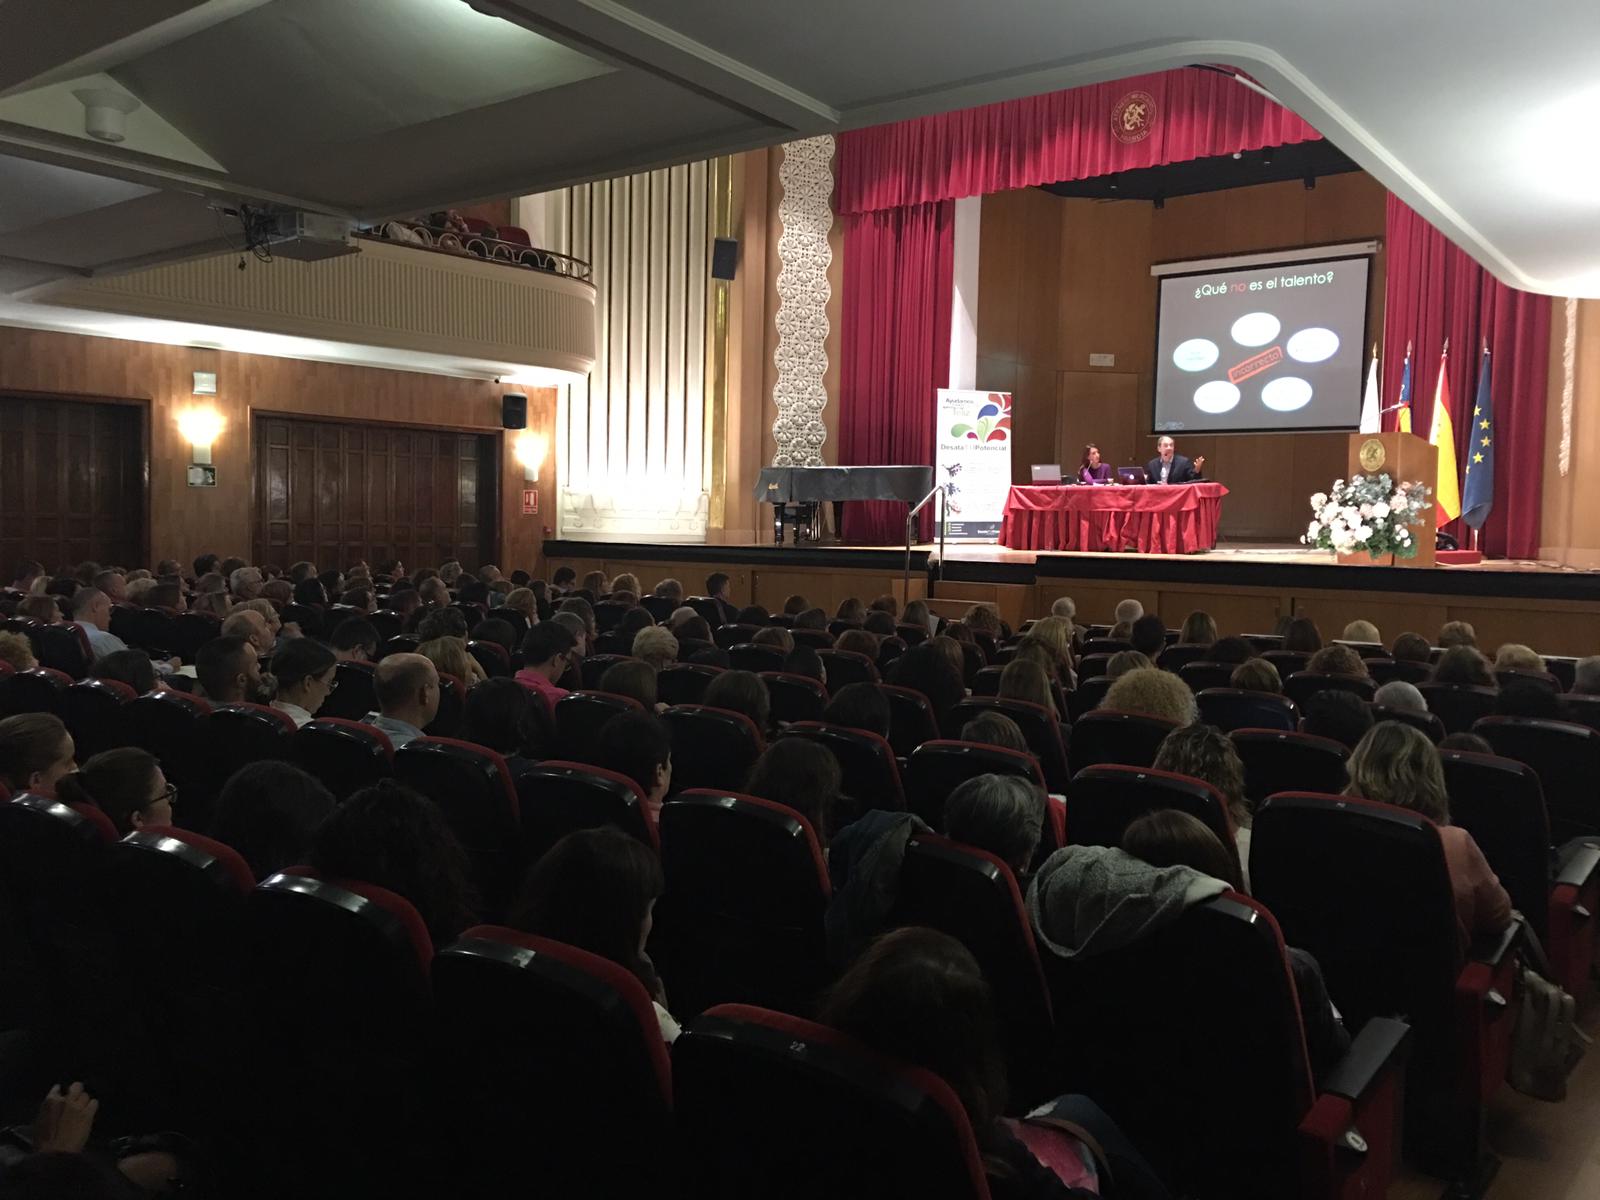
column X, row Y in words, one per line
column 1477, row 530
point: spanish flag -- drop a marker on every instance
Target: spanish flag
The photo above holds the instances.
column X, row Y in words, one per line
column 1442, row 434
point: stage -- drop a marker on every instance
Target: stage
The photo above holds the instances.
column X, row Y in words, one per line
column 1247, row 586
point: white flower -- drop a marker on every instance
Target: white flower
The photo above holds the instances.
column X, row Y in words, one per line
column 1366, row 510
column 1311, row 531
column 1362, row 533
column 1404, row 535
column 1319, row 500
column 1380, row 510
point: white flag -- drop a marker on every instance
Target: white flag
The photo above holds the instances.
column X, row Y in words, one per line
column 1370, row 421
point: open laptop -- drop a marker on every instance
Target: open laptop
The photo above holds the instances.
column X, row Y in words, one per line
column 1132, row 475
column 1046, row 472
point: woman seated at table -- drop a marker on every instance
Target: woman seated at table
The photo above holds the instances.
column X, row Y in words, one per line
column 1091, row 469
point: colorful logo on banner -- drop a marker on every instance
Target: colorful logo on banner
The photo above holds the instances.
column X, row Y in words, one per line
column 1133, row 117
column 973, row 461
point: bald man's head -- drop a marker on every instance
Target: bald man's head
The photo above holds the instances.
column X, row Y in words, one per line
column 407, row 687
column 250, row 625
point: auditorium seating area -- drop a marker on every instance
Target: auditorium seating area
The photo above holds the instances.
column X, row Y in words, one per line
column 350, row 984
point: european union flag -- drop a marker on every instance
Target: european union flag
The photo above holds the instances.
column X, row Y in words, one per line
column 1477, row 499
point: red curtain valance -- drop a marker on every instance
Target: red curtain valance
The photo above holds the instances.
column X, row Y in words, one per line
column 1056, row 137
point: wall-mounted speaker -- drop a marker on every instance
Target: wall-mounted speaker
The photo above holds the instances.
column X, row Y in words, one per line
column 724, row 258
column 513, row 411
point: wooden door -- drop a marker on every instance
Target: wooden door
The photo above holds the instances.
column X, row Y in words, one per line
column 333, row 493
column 72, row 483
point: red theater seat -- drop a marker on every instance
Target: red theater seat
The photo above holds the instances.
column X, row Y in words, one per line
column 556, row 798
column 95, row 714
column 473, row 788
column 870, row 774
column 1275, row 761
column 1107, row 736
column 937, row 768
column 346, row 755
column 711, row 747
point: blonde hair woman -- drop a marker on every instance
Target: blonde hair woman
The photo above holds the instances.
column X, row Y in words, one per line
column 1514, row 656
column 626, row 582
column 449, row 655
column 1199, row 629
column 656, row 645
column 1024, row 679
column 525, row 602
column 1055, row 635
column 1362, row 631
column 1397, row 764
column 1153, row 692
column 18, row 651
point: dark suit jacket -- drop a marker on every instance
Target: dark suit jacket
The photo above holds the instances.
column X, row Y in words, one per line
column 1181, row 471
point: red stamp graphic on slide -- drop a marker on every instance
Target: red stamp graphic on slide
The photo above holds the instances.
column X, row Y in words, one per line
column 1269, row 357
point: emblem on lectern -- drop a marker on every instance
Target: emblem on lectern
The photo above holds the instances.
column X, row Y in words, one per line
column 1372, row 456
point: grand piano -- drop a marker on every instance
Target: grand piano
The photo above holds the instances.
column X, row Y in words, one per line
column 796, row 493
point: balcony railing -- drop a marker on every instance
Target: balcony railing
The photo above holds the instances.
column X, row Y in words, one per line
column 501, row 246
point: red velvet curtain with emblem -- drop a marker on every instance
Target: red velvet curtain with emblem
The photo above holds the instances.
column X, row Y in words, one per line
column 1434, row 291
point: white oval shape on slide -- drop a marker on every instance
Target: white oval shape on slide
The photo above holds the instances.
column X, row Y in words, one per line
column 1215, row 397
column 1256, row 329
column 1313, row 345
column 1286, row 394
column 1195, row 355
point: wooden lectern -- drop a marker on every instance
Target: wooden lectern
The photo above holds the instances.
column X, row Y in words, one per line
column 1405, row 458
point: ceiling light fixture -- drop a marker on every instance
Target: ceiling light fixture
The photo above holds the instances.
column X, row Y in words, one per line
column 105, row 112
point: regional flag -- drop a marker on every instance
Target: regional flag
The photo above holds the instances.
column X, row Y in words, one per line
column 1403, row 421
column 1442, row 434
column 1478, row 500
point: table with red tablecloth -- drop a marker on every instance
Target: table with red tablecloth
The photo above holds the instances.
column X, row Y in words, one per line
column 1156, row 518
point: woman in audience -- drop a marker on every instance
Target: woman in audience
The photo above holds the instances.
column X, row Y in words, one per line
column 851, row 609
column 635, row 679
column 636, row 744
column 1170, row 838
column 1121, row 631
column 17, row 652
column 1336, row 660
column 805, row 661
column 1396, row 764
column 1362, row 631
column 656, row 646
column 1205, row 753
column 626, row 582
column 917, row 613
column 1256, row 675
column 42, row 609
column 879, row 623
column 752, row 614
column 1457, row 633
column 995, row 729
column 449, row 656
column 524, row 601
column 927, row 669
column 126, row 784
column 304, row 669
column 1055, row 635
column 1154, row 693
column 595, row 583
column 812, row 618
column 1411, row 647
column 1399, row 694
column 952, row 650
column 858, row 641
column 35, row 751
column 1199, row 629
column 744, row 692
column 1301, row 634
column 269, row 812
column 1003, row 814
column 1514, row 656
column 918, row 996
column 859, row 706
column 775, row 636
column 886, row 603
column 499, row 715
column 597, row 890
column 584, row 611
column 1463, row 665
column 1528, row 698
column 394, row 837
column 985, row 618
column 803, row 775
column 1123, row 661
column 1025, row 679
column 795, row 605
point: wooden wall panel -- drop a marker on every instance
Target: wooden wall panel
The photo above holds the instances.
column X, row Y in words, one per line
column 769, row 587
column 185, row 521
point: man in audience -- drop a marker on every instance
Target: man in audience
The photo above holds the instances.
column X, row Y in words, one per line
column 91, row 612
column 546, row 651
column 1127, row 611
column 1411, row 647
column 404, row 601
column 450, row 572
column 407, row 687
column 250, row 626
column 433, row 592
column 301, row 571
column 166, row 594
column 1149, row 636
column 562, row 581
column 206, row 564
column 573, row 623
column 245, row 583
column 1003, row 814
column 1586, row 676
column 717, row 589
column 1457, row 633
column 636, row 745
column 1342, row 716
column 113, row 584
column 811, row 618
column 228, row 670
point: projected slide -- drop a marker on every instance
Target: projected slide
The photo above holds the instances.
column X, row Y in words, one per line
column 1262, row 347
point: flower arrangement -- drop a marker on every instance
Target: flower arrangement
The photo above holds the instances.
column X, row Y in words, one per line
column 1370, row 513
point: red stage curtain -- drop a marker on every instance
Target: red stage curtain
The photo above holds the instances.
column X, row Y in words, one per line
column 1053, row 138
column 898, row 278
column 1433, row 291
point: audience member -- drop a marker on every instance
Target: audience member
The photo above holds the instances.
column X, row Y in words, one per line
column 670, row 589
column 851, row 609
column 916, row 613
column 625, row 582
column 35, row 751
column 879, row 623
column 1411, row 647
column 17, row 652
column 304, row 669
column 804, row 660
column 803, row 775
column 573, row 624
column 126, row 784
column 389, row 835
column 1003, row 814
column 166, row 594
column 775, row 636
column 717, row 592
column 499, row 715
column 744, row 692
column 1153, row 692
column 811, row 618
column 1336, row 660
column 1127, row 612
column 1302, row 635
column 228, row 670
column 636, row 744
column 244, row 583
column 1123, row 661
column 597, row 890
column 1528, row 698
column 1513, row 656
column 563, row 580
column 112, row 584
column 1396, row 764
column 1199, row 629
column 407, row 689
column 995, row 729
column 547, row 651
column 496, row 632
column 1341, row 716
column 1457, row 633
column 250, row 627
column 1364, row 632
column 584, row 611
column 25, row 573
column 795, row 605
column 633, row 678
column 656, row 646
column 1472, row 743
column 859, row 706
column 1256, row 675
column 927, row 669
column 1205, row 753
column 449, row 656
column 888, row 604
column 1022, row 679
column 91, row 612
column 1586, row 676
column 1399, row 694
column 1149, row 636
column 354, row 639
column 1463, row 665
column 985, row 618
column 524, row 601
column 1054, row 635
column 269, row 812
column 443, row 622
column 42, row 609
column 858, row 641
column 1065, row 608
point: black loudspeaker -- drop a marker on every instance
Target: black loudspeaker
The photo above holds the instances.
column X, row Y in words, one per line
column 513, row 411
column 724, row 258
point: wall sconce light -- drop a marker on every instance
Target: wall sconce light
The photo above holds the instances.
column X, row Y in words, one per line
column 200, row 427
column 530, row 449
